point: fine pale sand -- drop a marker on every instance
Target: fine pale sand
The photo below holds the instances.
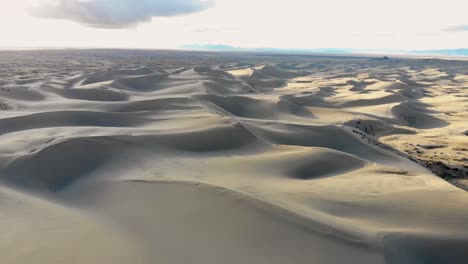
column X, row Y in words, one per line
column 183, row 157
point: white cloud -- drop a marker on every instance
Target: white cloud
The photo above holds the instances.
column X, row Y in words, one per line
column 115, row 13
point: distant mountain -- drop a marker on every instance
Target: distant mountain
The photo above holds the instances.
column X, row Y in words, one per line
column 325, row 50
column 209, row 47
column 451, row 52
column 223, row 47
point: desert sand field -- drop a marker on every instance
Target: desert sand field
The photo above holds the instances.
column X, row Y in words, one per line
column 114, row 156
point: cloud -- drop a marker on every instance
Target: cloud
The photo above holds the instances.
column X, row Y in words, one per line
column 457, row 28
column 115, row 13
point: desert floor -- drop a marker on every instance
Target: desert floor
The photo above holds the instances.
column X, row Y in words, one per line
column 114, row 156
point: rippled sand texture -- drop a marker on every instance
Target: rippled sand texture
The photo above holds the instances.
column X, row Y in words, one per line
column 179, row 157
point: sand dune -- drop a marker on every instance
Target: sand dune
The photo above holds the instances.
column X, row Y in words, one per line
column 21, row 93
column 68, row 118
column 246, row 107
column 243, row 158
column 91, row 94
column 417, row 115
column 115, row 74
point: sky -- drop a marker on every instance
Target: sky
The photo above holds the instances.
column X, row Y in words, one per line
column 298, row 24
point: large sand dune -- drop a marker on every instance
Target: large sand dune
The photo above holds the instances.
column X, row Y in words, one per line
column 180, row 157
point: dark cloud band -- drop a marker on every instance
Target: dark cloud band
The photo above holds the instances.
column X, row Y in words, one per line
column 117, row 13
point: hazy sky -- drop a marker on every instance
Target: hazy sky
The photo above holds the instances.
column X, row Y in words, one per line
column 364, row 24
